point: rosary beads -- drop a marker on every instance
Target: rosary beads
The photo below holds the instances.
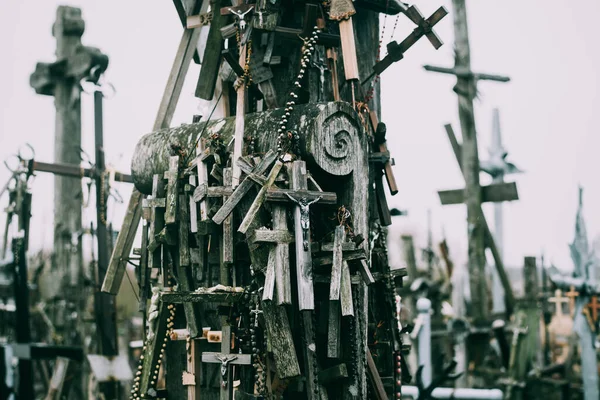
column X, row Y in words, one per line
column 284, row 136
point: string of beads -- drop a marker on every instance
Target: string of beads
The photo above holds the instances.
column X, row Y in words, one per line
column 284, row 138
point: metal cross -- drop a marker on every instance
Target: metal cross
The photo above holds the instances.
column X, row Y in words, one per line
column 304, row 205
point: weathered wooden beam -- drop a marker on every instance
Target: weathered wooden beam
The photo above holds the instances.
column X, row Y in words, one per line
column 118, row 260
column 336, row 268
column 506, row 191
column 271, row 236
column 333, row 374
column 282, row 342
column 74, row 171
column 184, row 270
column 322, row 261
column 182, row 297
column 282, row 259
column 260, row 198
column 334, row 334
column 211, row 60
column 466, row 73
column 347, row 307
column 376, row 382
column 227, row 238
column 269, row 285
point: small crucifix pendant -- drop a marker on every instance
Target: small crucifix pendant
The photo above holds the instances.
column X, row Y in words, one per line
column 304, row 205
column 225, row 360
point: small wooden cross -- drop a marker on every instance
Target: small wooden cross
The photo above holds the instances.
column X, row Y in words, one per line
column 396, row 51
column 594, row 306
column 154, row 207
column 558, row 300
column 278, row 265
column 172, row 177
column 243, row 188
column 226, row 359
column 572, row 294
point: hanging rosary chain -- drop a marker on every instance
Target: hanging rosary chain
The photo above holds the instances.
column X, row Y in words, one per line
column 102, row 204
column 246, row 78
column 285, row 137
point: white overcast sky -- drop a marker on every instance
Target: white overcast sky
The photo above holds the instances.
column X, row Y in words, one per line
column 549, row 49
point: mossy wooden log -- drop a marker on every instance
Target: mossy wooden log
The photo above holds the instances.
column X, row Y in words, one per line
column 330, row 137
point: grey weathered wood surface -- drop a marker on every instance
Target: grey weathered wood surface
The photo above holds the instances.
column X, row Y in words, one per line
column 506, row 191
column 282, row 342
column 346, row 304
column 282, row 259
column 227, row 238
column 184, row 271
column 336, row 266
column 334, row 334
column 62, row 368
column 183, row 57
column 211, row 60
column 116, row 267
column 172, row 177
column 332, row 139
column 269, row 285
column 181, row 297
column 260, row 198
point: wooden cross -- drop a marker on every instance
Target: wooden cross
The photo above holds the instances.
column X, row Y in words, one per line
column 594, row 306
column 572, row 294
column 558, row 300
column 240, row 109
column 226, row 359
column 340, row 294
column 211, row 60
column 172, row 201
column 278, row 266
column 243, row 188
column 509, row 298
column 396, row 51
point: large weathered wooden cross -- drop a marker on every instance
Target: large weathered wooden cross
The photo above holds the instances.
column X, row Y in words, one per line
column 469, row 162
column 488, row 193
column 61, row 79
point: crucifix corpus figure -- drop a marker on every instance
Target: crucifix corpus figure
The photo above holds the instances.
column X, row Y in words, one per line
column 304, row 206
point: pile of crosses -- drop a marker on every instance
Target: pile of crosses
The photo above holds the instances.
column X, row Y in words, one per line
column 263, row 270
